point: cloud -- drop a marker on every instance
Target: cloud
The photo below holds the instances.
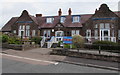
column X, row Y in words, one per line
column 15, row 7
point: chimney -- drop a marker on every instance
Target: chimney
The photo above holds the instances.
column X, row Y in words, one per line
column 60, row 12
column 38, row 15
column 96, row 10
column 69, row 11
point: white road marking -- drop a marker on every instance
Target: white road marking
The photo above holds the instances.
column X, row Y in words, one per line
column 55, row 63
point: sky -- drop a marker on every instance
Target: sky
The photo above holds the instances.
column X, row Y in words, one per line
column 14, row 8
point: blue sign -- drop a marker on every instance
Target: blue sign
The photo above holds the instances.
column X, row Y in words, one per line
column 67, row 40
column 113, row 18
column 24, row 21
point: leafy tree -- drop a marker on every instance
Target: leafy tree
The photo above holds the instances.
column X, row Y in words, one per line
column 78, row 41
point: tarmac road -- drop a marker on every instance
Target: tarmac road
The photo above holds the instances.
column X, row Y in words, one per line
column 19, row 65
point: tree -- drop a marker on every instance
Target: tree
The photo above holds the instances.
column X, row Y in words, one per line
column 78, row 41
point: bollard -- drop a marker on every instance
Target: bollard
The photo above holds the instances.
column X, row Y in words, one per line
column 99, row 50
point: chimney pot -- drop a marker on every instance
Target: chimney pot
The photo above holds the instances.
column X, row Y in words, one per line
column 69, row 11
column 60, row 12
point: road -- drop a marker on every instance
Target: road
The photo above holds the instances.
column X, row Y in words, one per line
column 12, row 64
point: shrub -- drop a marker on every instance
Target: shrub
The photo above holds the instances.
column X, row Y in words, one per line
column 105, row 43
column 14, row 40
column 36, row 40
column 78, row 41
column 5, row 38
column 68, row 46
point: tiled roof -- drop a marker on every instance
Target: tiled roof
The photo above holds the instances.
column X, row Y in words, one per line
column 41, row 21
column 68, row 21
column 7, row 26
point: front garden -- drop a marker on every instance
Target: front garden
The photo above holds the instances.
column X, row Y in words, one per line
column 14, row 42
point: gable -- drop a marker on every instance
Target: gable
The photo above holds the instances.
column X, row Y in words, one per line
column 59, row 25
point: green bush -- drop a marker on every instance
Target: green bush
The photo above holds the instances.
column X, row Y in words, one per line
column 14, row 40
column 78, row 41
column 105, row 43
column 68, row 46
column 36, row 40
column 5, row 38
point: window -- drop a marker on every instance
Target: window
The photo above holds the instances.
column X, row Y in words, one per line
column 96, row 34
column 101, row 25
column 33, row 32
column 46, row 33
column 62, row 19
column 27, row 27
column 50, row 20
column 119, row 34
column 76, row 18
column 88, row 34
column 14, row 31
column 113, row 33
column 96, row 26
column 107, row 25
column 27, row 32
column 22, row 27
column 75, row 32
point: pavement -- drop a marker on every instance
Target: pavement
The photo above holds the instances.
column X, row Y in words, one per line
column 44, row 54
column 97, row 52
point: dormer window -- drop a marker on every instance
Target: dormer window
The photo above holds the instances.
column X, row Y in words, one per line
column 62, row 19
column 76, row 19
column 49, row 20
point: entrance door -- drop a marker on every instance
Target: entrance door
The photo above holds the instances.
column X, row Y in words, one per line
column 21, row 33
column 59, row 35
column 105, row 34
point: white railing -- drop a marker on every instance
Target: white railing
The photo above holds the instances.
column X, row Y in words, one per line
column 43, row 41
column 49, row 43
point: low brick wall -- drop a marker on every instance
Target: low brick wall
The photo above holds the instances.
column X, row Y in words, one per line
column 85, row 55
column 19, row 47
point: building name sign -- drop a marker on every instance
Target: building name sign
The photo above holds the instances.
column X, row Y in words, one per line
column 112, row 18
column 24, row 21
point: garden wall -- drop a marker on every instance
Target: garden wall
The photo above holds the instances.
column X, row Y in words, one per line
column 18, row 47
column 85, row 55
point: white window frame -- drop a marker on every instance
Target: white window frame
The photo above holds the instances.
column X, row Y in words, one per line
column 14, row 31
column 62, row 19
column 47, row 32
column 96, row 33
column 75, row 32
column 21, row 29
column 49, row 20
column 119, row 34
column 33, row 32
column 107, row 25
column 76, row 19
column 101, row 26
column 96, row 26
column 88, row 32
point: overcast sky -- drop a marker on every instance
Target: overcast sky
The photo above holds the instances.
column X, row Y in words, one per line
column 14, row 8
